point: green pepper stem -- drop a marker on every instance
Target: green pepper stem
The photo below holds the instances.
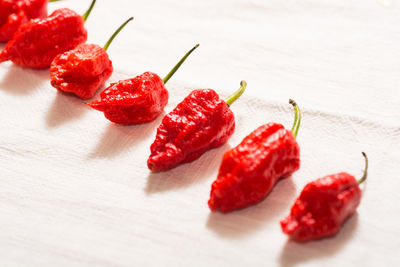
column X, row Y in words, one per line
column 87, row 13
column 232, row 98
column 297, row 117
column 172, row 72
column 364, row 177
column 105, row 47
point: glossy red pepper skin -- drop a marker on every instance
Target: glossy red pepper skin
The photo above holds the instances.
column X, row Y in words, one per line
column 13, row 13
column 202, row 121
column 39, row 41
column 250, row 170
column 81, row 71
column 133, row 101
column 322, row 207
column 137, row 100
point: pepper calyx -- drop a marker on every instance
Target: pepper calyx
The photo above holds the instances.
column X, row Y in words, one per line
column 232, row 98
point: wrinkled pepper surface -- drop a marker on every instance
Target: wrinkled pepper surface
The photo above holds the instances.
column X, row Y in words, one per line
column 137, row 100
column 84, row 69
column 133, row 101
column 14, row 13
column 323, row 206
column 202, row 121
column 249, row 171
column 37, row 42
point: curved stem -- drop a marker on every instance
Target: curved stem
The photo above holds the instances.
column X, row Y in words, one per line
column 364, row 177
column 232, row 98
column 172, row 72
column 87, row 13
column 105, row 47
column 297, row 117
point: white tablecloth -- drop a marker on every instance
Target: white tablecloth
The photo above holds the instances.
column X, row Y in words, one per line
column 75, row 190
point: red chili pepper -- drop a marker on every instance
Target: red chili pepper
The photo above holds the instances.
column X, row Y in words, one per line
column 249, row 171
column 13, row 13
column 202, row 121
column 137, row 100
column 37, row 42
column 84, row 69
column 323, row 206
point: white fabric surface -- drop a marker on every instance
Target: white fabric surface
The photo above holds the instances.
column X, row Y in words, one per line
column 75, row 190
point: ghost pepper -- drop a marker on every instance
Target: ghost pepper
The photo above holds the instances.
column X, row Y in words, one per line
column 249, row 171
column 323, row 206
column 84, row 69
column 137, row 100
column 36, row 43
column 13, row 13
column 202, row 121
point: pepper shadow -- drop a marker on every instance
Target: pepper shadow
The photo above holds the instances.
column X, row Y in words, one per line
column 64, row 108
column 295, row 253
column 23, row 81
column 237, row 224
column 186, row 174
column 118, row 139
